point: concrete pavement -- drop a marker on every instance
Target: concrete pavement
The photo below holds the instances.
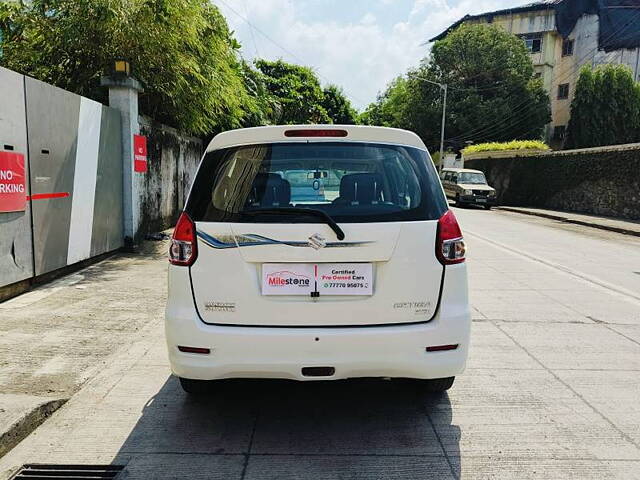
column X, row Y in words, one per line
column 550, row 391
column 55, row 337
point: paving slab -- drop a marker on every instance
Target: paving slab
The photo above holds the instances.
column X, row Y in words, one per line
column 615, row 395
column 492, row 348
column 575, row 346
column 193, row 467
column 362, row 467
column 354, row 417
column 631, row 332
column 523, row 414
column 491, row 468
column 598, row 305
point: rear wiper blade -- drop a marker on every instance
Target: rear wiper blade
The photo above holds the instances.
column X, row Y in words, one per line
column 298, row 211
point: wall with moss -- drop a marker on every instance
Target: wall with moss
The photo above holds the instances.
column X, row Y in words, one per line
column 602, row 181
column 172, row 162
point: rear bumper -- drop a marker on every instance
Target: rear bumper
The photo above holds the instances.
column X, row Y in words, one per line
column 249, row 352
column 282, row 352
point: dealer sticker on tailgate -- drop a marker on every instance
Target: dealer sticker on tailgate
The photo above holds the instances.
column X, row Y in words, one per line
column 324, row 278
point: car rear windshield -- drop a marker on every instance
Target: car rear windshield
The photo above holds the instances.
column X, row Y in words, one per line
column 351, row 182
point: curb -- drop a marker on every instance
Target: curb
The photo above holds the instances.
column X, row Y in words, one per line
column 560, row 218
column 19, row 430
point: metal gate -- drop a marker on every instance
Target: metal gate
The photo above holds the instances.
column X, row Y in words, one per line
column 71, row 146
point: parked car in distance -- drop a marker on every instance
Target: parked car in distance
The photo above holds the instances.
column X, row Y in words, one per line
column 317, row 252
column 467, row 187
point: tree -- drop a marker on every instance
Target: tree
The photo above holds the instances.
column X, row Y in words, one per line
column 338, row 106
column 390, row 108
column 180, row 50
column 605, row 109
column 262, row 108
column 492, row 93
column 490, row 77
column 297, row 91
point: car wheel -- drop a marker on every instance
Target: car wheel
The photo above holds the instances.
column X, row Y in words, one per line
column 195, row 387
column 488, row 207
column 435, row 385
column 458, row 202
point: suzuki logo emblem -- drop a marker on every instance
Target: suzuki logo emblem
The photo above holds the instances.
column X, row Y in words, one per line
column 317, row 241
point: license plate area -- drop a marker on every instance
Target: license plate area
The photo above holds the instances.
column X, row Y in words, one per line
column 317, row 279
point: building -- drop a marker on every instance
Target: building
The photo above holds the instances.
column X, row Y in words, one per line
column 564, row 35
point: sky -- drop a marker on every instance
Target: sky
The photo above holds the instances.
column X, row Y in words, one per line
column 360, row 45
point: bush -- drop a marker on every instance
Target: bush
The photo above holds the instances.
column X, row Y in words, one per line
column 605, row 109
column 503, row 146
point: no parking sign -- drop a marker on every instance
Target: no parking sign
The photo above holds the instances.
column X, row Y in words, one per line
column 13, row 190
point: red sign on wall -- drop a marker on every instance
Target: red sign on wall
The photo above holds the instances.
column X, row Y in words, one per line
column 139, row 153
column 13, row 190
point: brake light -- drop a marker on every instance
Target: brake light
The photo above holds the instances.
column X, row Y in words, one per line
column 184, row 249
column 450, row 247
column 316, row 133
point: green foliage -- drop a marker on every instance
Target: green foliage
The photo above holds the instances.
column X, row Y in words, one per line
column 261, row 107
column 605, row 109
column 181, row 51
column 504, row 146
column 297, row 91
column 489, row 76
column 338, row 106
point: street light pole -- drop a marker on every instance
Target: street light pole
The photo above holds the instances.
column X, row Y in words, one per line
column 442, row 86
column 444, row 111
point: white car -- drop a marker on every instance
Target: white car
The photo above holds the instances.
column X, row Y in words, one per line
column 366, row 279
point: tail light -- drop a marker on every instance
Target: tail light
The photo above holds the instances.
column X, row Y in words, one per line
column 450, row 247
column 184, row 249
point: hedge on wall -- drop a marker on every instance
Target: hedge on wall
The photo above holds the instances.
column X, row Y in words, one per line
column 597, row 182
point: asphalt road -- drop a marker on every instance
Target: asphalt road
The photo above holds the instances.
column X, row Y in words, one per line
column 551, row 390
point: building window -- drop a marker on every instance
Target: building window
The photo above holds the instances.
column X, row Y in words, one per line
column 567, row 47
column 563, row 91
column 537, row 75
column 533, row 42
column 559, row 132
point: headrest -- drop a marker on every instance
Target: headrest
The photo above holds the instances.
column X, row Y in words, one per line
column 361, row 188
column 270, row 190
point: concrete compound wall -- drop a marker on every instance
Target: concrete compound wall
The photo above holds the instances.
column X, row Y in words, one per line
column 601, row 181
column 71, row 148
column 173, row 159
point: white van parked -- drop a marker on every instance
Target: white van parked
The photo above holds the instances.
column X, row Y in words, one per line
column 317, row 252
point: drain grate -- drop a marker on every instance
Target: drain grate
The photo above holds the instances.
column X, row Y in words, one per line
column 67, row 472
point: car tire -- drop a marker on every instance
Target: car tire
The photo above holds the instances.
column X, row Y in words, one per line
column 436, row 385
column 195, row 387
column 458, row 202
column 487, row 207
